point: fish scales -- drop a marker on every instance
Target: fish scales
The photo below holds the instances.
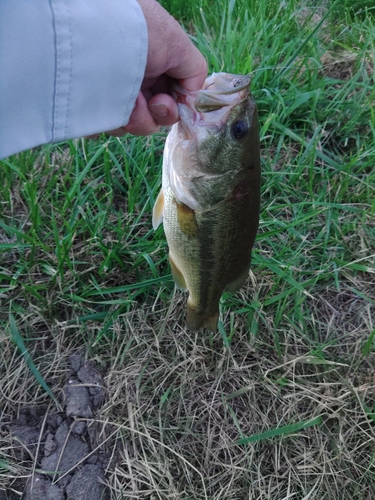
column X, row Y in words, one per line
column 213, row 259
column 211, row 212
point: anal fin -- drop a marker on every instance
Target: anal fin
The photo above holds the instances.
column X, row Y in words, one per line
column 178, row 277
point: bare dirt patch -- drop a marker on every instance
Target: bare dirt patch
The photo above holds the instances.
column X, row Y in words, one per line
column 63, row 446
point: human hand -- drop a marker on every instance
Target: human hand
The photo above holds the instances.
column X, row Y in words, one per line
column 171, row 56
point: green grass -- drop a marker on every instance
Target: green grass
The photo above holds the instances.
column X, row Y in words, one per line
column 290, row 371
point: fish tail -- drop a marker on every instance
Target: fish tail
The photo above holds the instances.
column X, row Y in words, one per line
column 196, row 319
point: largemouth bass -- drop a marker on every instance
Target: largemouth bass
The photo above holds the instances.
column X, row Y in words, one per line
column 210, row 196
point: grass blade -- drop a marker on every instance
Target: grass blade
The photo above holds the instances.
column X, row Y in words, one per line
column 286, row 429
column 302, row 45
column 16, row 337
column 366, row 349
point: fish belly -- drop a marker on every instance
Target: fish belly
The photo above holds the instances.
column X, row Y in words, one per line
column 210, row 252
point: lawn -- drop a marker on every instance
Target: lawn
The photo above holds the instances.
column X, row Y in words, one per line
column 279, row 403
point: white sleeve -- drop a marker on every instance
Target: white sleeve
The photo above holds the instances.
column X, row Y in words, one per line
column 68, row 68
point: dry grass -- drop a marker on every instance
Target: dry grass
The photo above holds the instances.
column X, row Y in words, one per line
column 177, row 403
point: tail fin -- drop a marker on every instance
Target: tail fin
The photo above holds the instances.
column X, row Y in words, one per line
column 196, row 319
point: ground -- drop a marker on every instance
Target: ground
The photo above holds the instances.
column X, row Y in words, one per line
column 100, row 377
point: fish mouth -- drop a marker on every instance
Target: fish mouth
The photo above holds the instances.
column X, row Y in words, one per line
column 211, row 105
column 220, row 90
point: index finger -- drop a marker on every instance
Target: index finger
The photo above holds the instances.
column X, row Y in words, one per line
column 187, row 64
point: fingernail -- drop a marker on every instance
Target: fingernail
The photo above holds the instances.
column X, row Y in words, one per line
column 159, row 110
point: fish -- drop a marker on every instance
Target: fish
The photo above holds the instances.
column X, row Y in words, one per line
column 209, row 201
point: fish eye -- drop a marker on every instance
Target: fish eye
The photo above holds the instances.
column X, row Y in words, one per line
column 239, row 129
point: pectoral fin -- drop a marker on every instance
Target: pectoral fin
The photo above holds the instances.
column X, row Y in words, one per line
column 186, row 220
column 157, row 212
